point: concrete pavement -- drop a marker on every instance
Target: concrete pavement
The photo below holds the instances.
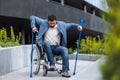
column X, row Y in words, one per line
column 86, row 70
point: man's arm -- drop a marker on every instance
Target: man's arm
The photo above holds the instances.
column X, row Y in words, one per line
column 33, row 21
column 73, row 25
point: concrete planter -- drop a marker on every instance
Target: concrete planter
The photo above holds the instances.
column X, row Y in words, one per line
column 83, row 56
column 14, row 58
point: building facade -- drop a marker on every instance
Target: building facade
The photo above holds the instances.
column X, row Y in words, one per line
column 17, row 13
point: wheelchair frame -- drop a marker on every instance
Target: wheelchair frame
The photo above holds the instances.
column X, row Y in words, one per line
column 40, row 55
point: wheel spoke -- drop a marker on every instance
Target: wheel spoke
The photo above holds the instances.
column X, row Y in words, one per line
column 36, row 60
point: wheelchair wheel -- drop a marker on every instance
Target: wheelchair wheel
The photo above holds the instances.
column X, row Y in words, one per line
column 36, row 60
column 44, row 71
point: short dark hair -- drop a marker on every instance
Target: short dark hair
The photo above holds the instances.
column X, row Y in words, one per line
column 52, row 17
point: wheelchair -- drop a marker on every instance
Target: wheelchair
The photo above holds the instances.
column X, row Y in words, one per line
column 40, row 60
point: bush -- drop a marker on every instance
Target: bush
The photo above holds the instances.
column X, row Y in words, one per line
column 71, row 50
column 90, row 45
column 111, row 68
column 6, row 41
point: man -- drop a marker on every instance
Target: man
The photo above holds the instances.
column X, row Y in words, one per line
column 52, row 36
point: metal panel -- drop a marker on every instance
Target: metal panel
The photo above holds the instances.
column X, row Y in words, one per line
column 16, row 8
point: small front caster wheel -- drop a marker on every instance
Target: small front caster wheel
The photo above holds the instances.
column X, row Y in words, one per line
column 44, row 71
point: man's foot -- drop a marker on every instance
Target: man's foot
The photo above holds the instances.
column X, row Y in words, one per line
column 65, row 74
column 52, row 67
column 59, row 71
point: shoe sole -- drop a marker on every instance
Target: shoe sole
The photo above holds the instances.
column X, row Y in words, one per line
column 66, row 76
column 52, row 69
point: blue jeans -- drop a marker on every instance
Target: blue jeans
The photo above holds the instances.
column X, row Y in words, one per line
column 59, row 50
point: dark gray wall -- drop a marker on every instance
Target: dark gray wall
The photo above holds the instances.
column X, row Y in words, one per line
column 41, row 8
column 16, row 8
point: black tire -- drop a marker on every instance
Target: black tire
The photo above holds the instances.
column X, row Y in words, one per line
column 36, row 60
column 44, row 71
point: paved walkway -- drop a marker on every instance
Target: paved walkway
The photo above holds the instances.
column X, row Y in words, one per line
column 86, row 70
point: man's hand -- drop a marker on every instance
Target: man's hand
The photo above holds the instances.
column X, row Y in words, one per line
column 34, row 29
column 80, row 28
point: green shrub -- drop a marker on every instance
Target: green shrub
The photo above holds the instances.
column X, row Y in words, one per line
column 71, row 50
column 12, row 34
column 111, row 68
column 6, row 41
column 91, row 45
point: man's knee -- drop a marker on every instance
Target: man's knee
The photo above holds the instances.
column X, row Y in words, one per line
column 64, row 52
column 64, row 49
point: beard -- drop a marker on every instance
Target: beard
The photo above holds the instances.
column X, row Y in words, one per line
column 52, row 26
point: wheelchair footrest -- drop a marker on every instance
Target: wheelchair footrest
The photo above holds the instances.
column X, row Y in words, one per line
column 52, row 69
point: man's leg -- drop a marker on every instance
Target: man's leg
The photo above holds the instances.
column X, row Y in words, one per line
column 48, row 50
column 65, row 59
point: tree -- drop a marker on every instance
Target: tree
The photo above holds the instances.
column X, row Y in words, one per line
column 111, row 69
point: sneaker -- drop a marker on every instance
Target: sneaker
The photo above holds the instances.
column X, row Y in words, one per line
column 52, row 67
column 65, row 74
column 59, row 71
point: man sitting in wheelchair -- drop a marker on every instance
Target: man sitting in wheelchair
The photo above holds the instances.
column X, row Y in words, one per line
column 52, row 37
